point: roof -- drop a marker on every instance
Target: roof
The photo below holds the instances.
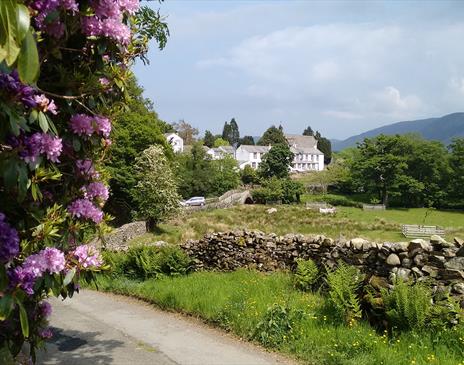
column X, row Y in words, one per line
column 227, row 149
column 253, row 149
column 299, row 141
column 306, row 150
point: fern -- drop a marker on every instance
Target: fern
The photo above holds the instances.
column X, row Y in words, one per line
column 408, row 306
column 344, row 284
column 306, row 274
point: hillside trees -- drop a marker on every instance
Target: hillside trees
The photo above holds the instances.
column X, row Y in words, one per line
column 457, row 170
column 156, row 190
column 135, row 129
column 273, row 136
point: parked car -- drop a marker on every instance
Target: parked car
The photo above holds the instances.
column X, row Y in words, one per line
column 195, row 201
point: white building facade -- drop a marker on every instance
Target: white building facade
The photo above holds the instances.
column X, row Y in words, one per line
column 175, row 141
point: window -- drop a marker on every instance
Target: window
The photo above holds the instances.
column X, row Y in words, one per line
column 255, row 155
column 253, row 164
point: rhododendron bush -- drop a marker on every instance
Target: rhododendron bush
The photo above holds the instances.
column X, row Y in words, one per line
column 64, row 65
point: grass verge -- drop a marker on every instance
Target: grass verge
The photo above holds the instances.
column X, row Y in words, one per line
column 303, row 327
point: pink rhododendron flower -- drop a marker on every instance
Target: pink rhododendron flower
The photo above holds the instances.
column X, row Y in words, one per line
column 86, row 169
column 95, row 190
column 84, row 208
column 88, row 256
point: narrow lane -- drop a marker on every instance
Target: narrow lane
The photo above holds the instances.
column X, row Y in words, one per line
column 99, row 328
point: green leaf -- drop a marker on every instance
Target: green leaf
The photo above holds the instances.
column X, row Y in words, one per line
column 76, row 144
column 28, row 61
column 69, row 276
column 43, row 122
column 23, row 319
column 23, row 21
column 6, row 306
column 33, row 116
column 8, row 30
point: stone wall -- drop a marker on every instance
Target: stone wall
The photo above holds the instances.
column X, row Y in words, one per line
column 417, row 259
column 118, row 239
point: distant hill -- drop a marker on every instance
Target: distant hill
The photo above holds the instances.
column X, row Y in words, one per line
column 442, row 129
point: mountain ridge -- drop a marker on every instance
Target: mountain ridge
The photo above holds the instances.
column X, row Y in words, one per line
column 442, row 129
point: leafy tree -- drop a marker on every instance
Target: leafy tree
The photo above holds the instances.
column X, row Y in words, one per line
column 325, row 146
column 156, row 190
column 308, row 131
column 209, row 139
column 273, row 136
column 276, row 162
column 220, row 142
column 381, row 165
column 225, row 175
column 248, row 175
column 247, row 140
column 186, row 132
column 199, row 175
column 135, row 129
column 457, row 169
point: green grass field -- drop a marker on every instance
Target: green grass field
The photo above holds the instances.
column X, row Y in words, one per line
column 239, row 302
column 349, row 222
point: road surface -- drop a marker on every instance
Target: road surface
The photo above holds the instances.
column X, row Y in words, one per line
column 98, row 328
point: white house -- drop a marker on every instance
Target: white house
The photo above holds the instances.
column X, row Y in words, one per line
column 221, row 152
column 250, row 155
column 175, row 141
column 307, row 156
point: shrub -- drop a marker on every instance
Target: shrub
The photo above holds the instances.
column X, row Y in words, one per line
column 344, row 284
column 271, row 191
column 408, row 306
column 306, row 274
column 143, row 262
column 276, row 326
column 340, row 201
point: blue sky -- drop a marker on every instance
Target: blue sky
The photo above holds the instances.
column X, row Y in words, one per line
column 341, row 67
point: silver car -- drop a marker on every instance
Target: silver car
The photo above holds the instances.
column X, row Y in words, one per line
column 195, row 201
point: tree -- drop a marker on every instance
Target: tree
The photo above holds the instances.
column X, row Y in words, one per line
column 231, row 132
column 276, row 163
column 135, row 129
column 273, row 136
column 247, row 140
column 308, row 131
column 325, row 146
column 381, row 165
column 224, row 175
column 248, row 175
column 156, row 190
column 457, row 170
column 209, row 139
column 220, row 142
column 186, row 132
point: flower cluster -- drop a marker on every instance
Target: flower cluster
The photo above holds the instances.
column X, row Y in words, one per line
column 95, row 190
column 86, row 125
column 108, row 19
column 88, row 256
column 9, row 241
column 84, row 208
column 45, row 309
column 44, row 8
column 44, row 104
column 49, row 259
column 41, row 143
column 15, row 89
column 85, row 168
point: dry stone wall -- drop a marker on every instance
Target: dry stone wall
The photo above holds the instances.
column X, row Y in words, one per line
column 416, row 259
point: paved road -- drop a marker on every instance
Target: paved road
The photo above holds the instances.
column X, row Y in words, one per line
column 98, row 328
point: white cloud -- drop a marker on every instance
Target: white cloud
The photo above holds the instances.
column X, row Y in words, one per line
column 390, row 101
column 339, row 114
